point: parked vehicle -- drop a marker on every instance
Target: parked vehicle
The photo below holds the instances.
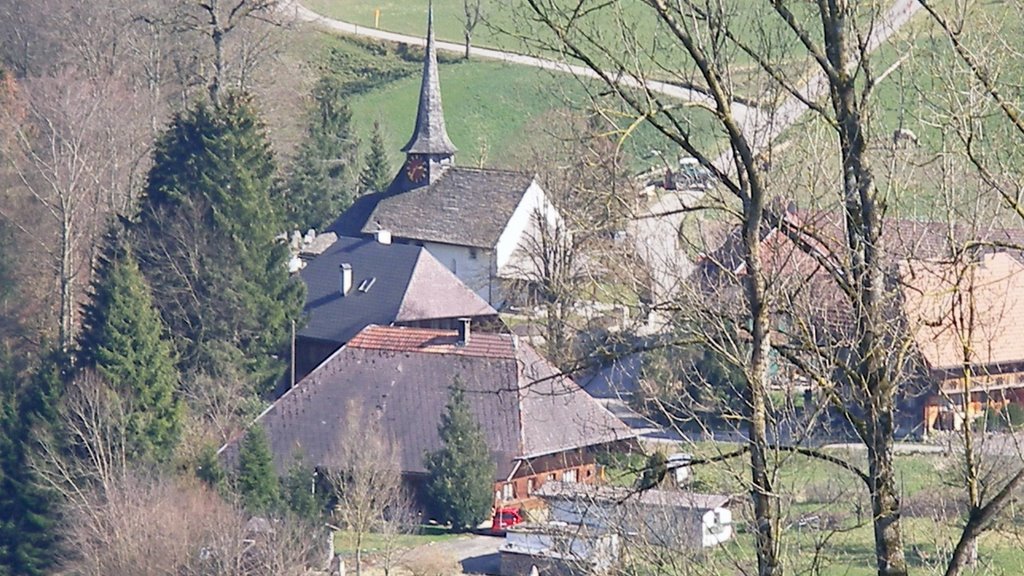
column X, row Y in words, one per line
column 503, row 518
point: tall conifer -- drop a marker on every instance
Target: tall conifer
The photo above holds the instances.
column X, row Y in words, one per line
column 257, row 481
column 461, row 474
column 207, row 243
column 322, row 180
column 123, row 339
column 376, row 173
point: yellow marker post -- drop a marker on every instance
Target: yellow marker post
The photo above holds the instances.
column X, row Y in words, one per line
column 376, row 18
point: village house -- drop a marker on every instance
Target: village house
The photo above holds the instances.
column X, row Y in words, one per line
column 671, row 518
column 943, row 298
column 361, row 281
column 539, row 425
column 476, row 221
column 967, row 322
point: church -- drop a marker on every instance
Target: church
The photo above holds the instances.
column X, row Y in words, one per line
column 483, row 224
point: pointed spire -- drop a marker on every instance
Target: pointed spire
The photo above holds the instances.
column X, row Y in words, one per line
column 430, row 136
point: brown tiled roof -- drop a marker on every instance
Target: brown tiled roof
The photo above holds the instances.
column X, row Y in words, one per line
column 428, row 341
column 979, row 307
column 404, row 376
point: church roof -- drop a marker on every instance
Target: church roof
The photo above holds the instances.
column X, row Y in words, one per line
column 464, row 207
column 408, row 284
column 430, row 135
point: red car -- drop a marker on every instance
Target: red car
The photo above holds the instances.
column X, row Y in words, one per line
column 503, row 518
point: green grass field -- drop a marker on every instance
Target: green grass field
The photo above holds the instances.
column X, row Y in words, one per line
column 842, row 543
column 498, row 115
column 628, row 31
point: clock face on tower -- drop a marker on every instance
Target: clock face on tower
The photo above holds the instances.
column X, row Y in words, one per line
column 416, row 169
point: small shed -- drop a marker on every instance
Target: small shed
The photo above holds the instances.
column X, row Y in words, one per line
column 674, row 518
column 557, row 549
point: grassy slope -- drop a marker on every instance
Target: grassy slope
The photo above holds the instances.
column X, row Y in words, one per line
column 916, row 95
column 495, row 112
column 810, row 488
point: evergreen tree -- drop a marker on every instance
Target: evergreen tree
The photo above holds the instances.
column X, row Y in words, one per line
column 208, row 468
column 28, row 541
column 376, row 174
column 206, row 242
column 297, row 489
column 257, row 483
column 123, row 340
column 461, row 474
column 320, row 185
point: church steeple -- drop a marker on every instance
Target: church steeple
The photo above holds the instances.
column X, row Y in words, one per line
column 430, row 138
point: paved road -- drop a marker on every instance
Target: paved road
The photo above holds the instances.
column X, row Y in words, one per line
column 764, row 127
column 656, row 232
column 306, row 15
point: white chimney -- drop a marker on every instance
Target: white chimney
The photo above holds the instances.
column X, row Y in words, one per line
column 346, row 279
column 464, row 331
column 383, row 236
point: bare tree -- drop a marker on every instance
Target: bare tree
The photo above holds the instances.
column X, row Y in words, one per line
column 76, row 157
column 365, row 476
column 473, row 12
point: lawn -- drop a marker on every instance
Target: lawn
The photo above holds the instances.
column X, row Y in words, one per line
column 344, row 542
column 498, row 115
column 924, row 89
column 626, row 30
column 841, row 542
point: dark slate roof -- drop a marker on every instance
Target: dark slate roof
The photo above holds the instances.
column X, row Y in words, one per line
column 403, row 375
column 430, row 135
column 410, row 285
column 464, row 207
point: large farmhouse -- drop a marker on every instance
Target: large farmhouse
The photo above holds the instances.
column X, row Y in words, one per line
column 475, row 221
column 539, row 425
column 955, row 295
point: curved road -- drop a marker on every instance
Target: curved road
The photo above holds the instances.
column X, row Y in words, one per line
column 304, row 14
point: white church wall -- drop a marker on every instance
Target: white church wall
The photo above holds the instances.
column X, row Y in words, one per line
column 471, row 265
column 522, row 220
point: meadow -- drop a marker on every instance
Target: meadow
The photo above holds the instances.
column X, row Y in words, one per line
column 826, row 513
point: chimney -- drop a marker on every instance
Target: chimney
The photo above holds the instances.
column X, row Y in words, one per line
column 346, row 279
column 464, row 331
column 383, row 236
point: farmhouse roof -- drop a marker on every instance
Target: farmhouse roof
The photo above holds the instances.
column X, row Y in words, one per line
column 390, row 283
column 404, row 375
column 464, row 207
column 979, row 306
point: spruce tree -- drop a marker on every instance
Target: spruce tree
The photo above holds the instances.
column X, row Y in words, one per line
column 28, row 525
column 460, row 486
column 257, row 482
column 321, row 182
column 376, row 174
column 206, row 242
column 298, row 491
column 123, row 340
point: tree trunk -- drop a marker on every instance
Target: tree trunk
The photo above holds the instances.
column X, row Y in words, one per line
column 885, row 501
column 762, row 493
column 469, row 38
